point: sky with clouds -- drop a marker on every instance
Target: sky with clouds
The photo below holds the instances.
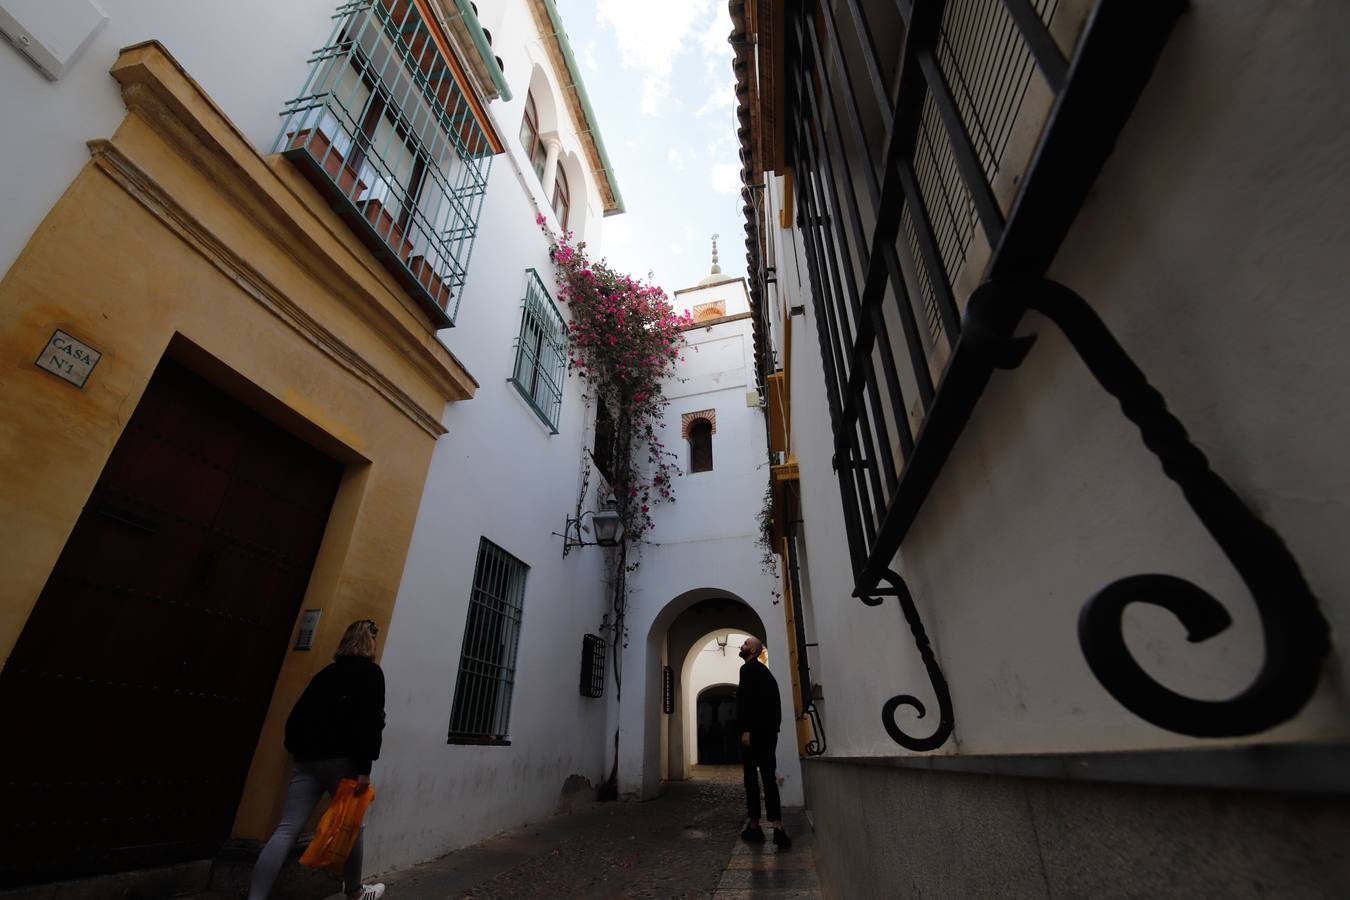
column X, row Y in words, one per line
column 660, row 81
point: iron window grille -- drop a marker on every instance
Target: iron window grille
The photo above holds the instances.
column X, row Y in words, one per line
column 667, row 690
column 487, row 661
column 541, row 357
column 387, row 133
column 933, row 198
column 912, row 164
column 593, row 649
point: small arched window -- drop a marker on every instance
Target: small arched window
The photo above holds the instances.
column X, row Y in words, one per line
column 700, row 446
column 562, row 203
column 529, row 137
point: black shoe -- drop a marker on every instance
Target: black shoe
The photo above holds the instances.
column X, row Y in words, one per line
column 753, row 834
column 781, row 839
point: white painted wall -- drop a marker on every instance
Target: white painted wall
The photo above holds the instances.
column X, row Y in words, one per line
column 516, row 40
column 498, row 474
column 704, row 544
column 1213, row 246
column 250, row 56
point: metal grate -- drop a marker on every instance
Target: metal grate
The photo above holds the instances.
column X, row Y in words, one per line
column 908, row 198
column 540, row 352
column 667, row 690
column 385, row 130
column 593, row 665
column 487, row 661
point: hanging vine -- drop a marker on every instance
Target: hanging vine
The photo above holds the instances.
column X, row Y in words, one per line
column 624, row 339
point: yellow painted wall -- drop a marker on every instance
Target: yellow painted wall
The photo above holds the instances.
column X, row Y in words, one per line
column 177, row 237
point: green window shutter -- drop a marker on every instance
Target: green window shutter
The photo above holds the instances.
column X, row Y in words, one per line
column 541, row 352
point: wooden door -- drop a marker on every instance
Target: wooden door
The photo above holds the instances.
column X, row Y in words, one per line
column 133, row 699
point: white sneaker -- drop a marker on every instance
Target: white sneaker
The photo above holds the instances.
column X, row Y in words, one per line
column 371, row 892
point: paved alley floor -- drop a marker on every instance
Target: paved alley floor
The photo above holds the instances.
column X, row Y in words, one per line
column 683, row 845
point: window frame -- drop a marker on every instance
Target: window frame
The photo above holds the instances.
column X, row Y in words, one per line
column 535, row 151
column 484, row 698
column 561, row 191
column 542, row 338
column 700, row 427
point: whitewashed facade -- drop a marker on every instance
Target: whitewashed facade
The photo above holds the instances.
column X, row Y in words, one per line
column 702, row 572
column 499, row 474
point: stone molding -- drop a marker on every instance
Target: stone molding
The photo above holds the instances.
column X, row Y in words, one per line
column 157, row 90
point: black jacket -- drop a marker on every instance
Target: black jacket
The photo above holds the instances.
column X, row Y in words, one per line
column 340, row 715
column 758, row 708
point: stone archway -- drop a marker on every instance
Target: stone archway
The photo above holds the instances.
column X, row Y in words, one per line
column 683, row 626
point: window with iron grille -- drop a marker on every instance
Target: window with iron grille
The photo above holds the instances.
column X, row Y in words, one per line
column 540, row 352
column 487, row 661
column 593, row 665
column 911, row 171
column 386, row 132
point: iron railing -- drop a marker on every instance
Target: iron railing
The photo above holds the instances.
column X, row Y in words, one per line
column 487, row 660
column 390, row 137
column 541, row 352
column 941, row 145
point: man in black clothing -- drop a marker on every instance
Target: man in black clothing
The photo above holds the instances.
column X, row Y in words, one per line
column 758, row 715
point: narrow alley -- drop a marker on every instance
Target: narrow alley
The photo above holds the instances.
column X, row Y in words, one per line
column 970, row 460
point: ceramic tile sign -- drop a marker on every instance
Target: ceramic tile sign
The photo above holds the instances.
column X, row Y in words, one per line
column 68, row 358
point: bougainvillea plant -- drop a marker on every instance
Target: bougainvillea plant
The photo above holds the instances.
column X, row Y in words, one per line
column 624, row 339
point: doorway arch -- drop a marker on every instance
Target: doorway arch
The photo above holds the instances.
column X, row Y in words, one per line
column 714, row 726
column 683, row 627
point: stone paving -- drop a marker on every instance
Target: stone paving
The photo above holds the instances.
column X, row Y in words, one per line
column 683, row 845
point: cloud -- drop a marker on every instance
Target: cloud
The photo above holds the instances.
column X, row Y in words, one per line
column 588, row 57
column 720, row 100
column 675, row 157
column 713, row 38
column 726, row 178
column 650, row 34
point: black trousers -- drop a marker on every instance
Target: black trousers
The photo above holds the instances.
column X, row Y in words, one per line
column 760, row 763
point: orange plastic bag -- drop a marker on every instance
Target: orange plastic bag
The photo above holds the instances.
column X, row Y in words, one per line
column 338, row 828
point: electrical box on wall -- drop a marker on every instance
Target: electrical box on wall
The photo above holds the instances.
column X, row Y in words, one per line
column 51, row 34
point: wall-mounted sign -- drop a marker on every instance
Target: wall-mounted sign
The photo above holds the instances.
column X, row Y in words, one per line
column 68, row 358
column 309, row 623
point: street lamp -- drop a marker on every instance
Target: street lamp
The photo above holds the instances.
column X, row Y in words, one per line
column 605, row 522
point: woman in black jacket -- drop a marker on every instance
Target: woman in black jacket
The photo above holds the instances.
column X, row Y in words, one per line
column 333, row 733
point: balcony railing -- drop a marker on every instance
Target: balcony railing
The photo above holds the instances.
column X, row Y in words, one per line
column 386, row 132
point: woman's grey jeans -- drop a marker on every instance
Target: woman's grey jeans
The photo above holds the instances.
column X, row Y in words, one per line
column 310, row 781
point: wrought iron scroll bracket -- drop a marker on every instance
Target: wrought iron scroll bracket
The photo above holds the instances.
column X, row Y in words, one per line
column 815, row 746
column 1296, row 634
column 930, row 663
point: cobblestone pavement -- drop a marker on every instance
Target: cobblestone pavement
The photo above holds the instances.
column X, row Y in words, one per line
column 683, row 845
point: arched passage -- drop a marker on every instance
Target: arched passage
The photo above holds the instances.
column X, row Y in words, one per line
column 677, row 633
